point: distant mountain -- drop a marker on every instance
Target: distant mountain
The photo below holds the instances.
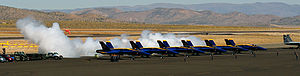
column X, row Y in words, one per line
column 273, row 8
column 182, row 16
column 153, row 16
column 10, row 13
column 99, row 11
column 288, row 21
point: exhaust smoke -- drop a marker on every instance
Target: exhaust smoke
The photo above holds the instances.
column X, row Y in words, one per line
column 53, row 39
column 148, row 39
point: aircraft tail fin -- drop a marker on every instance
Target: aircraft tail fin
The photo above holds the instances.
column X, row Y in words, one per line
column 207, row 43
column 287, row 38
column 166, row 43
column 189, row 42
column 161, row 44
column 103, row 45
column 210, row 42
column 139, row 44
column 230, row 42
column 133, row 45
column 185, row 44
column 109, row 45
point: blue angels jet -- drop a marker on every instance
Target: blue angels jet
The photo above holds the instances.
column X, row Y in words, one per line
column 110, row 50
column 246, row 46
column 151, row 50
column 188, row 43
column 225, row 47
column 186, row 50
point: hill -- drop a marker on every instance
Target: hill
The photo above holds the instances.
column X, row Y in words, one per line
column 10, row 13
column 272, row 8
column 288, row 21
column 154, row 16
column 182, row 16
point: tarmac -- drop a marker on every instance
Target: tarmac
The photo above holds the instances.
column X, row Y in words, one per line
column 275, row 62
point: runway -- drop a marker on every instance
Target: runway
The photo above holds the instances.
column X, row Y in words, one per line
column 177, row 33
column 265, row 63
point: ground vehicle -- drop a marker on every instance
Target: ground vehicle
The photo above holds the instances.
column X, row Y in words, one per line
column 36, row 56
column 7, row 57
column 2, row 59
column 20, row 56
column 54, row 55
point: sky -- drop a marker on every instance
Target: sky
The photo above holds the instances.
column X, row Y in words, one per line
column 71, row 4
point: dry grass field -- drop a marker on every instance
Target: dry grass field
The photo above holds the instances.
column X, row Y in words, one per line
column 94, row 29
column 265, row 40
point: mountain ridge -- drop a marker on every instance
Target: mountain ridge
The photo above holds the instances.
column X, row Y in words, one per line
column 153, row 16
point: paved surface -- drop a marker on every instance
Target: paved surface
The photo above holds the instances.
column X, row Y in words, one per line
column 266, row 63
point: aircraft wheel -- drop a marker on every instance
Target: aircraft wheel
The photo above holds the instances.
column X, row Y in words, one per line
column 55, row 58
column 114, row 59
column 174, row 55
column 143, row 56
column 197, row 54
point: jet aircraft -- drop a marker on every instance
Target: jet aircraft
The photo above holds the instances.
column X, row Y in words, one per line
column 109, row 49
column 246, row 46
column 189, row 44
column 186, row 50
column 151, row 50
column 287, row 40
column 225, row 47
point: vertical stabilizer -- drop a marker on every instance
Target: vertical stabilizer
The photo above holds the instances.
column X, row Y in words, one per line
column 189, row 42
column 230, row 42
column 139, row 44
column 287, row 38
column 212, row 42
column 104, row 47
column 161, row 45
column 185, row 44
column 207, row 43
column 133, row 45
column 109, row 45
column 166, row 43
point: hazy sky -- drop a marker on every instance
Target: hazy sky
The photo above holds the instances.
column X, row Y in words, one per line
column 69, row 4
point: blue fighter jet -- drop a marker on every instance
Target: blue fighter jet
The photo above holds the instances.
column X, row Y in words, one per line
column 246, row 46
column 110, row 50
column 151, row 50
column 225, row 47
column 182, row 49
column 210, row 49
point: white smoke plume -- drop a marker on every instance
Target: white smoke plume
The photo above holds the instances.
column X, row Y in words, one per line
column 122, row 42
column 53, row 39
column 149, row 39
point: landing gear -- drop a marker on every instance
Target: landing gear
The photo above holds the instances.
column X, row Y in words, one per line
column 114, row 58
column 196, row 54
column 145, row 56
column 132, row 57
column 172, row 55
